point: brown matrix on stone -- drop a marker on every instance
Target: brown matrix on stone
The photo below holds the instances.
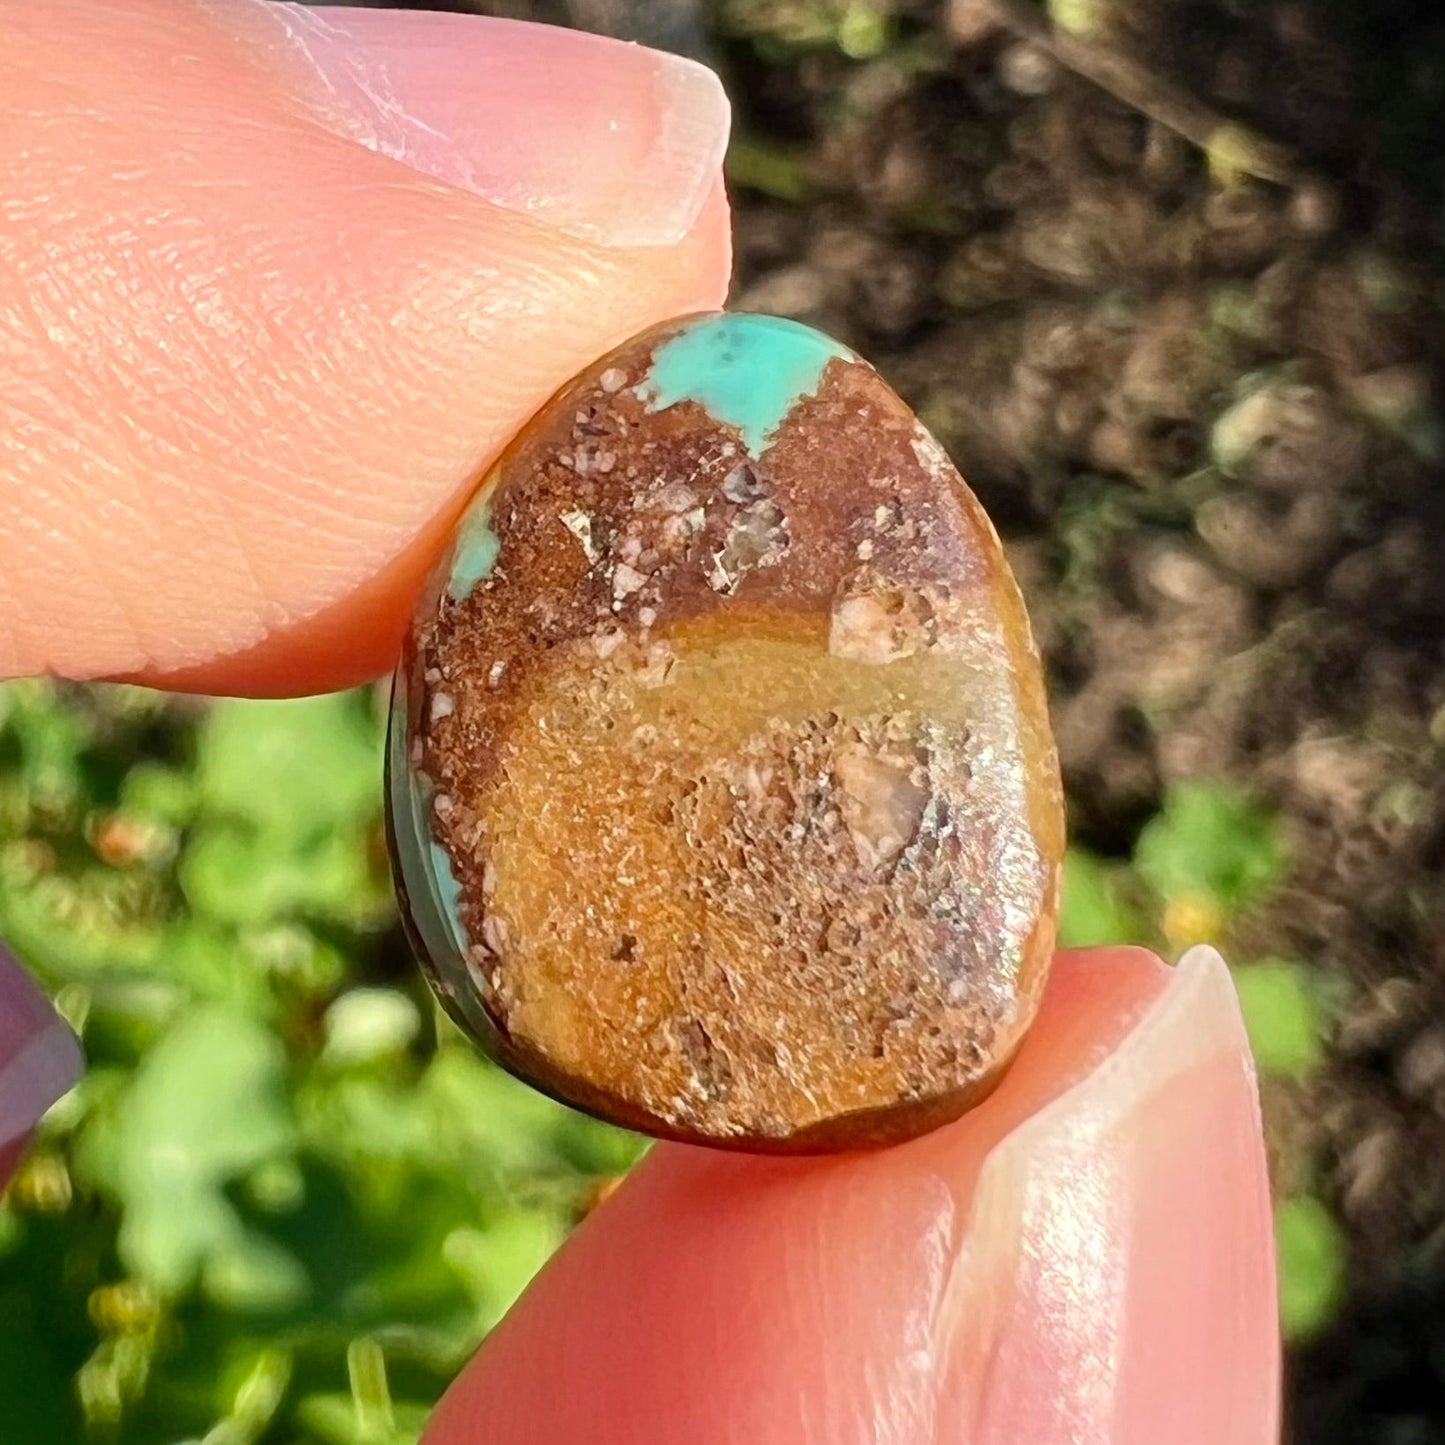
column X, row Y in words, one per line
column 739, row 759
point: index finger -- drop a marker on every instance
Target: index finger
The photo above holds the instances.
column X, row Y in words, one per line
column 262, row 323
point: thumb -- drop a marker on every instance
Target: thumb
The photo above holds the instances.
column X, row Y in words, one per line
column 1084, row 1259
column 276, row 284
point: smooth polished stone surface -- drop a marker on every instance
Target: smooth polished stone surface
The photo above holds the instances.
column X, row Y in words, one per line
column 721, row 790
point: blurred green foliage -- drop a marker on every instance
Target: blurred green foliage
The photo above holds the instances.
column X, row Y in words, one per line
column 1096, row 905
column 1211, row 844
column 779, row 29
column 287, row 1199
column 1199, row 866
column 1311, row 1264
column 1284, row 1015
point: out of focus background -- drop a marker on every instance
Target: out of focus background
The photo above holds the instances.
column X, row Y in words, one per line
column 1166, row 279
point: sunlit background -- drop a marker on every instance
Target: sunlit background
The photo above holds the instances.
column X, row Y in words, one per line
column 1202, row 405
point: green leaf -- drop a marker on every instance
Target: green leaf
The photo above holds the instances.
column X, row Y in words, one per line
column 332, row 1419
column 368, row 1024
column 201, row 956
column 1076, row 17
column 497, row 1263
column 595, row 1148
column 366, row 1368
column 206, row 1106
column 292, row 768
column 1283, row 1017
column 1094, row 910
column 293, row 955
column 52, row 738
column 237, row 874
column 151, row 790
column 1213, row 842
column 766, row 166
column 487, row 1117
column 1312, row 1256
column 863, row 32
column 260, row 1391
column 246, row 1273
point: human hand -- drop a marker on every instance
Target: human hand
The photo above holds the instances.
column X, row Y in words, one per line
column 275, row 287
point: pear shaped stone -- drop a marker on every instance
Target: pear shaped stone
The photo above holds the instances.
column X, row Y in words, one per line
column 722, row 795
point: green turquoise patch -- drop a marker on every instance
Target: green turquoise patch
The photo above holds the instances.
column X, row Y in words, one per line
column 747, row 371
column 426, row 870
column 449, row 894
column 475, row 553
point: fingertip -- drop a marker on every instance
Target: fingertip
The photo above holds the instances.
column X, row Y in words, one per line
column 1084, row 1250
column 268, row 363
column 623, row 145
column 1118, row 1272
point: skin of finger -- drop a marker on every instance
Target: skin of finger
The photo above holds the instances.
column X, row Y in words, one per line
column 1117, row 1283
column 362, row 630
column 717, row 1298
column 253, row 368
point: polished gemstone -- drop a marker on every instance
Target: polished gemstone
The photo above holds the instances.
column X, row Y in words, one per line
column 722, row 795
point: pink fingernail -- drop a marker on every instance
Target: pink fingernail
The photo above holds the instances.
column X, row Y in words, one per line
column 1120, row 1247
column 607, row 141
column 39, row 1056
